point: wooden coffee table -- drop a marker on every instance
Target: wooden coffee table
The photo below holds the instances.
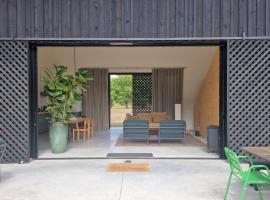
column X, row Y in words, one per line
column 154, row 128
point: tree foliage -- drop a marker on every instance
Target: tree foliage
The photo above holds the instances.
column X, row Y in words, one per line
column 121, row 90
column 64, row 91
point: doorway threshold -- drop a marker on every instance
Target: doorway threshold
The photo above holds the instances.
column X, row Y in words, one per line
column 133, row 158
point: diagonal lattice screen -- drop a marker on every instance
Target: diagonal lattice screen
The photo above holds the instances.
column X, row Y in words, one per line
column 14, row 98
column 141, row 93
column 248, row 93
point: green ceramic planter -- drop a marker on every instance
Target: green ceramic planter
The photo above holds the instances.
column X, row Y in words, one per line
column 58, row 137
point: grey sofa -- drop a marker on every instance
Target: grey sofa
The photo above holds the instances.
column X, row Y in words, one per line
column 172, row 129
column 136, row 130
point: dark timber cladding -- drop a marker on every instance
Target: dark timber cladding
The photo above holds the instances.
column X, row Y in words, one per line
column 133, row 18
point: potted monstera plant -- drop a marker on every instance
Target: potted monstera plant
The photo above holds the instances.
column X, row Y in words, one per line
column 63, row 91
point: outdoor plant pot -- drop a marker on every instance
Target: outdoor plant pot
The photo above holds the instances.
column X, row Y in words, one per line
column 58, row 137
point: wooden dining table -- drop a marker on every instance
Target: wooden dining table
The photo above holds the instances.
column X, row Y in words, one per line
column 71, row 123
column 261, row 152
column 76, row 120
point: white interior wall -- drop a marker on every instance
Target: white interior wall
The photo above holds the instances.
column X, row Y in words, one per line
column 195, row 60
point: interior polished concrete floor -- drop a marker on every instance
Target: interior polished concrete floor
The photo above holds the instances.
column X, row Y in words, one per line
column 88, row 179
column 104, row 142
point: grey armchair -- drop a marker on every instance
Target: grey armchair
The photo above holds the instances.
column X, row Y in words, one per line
column 172, row 129
column 135, row 130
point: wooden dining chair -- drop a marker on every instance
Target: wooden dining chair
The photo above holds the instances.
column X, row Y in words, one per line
column 92, row 127
column 84, row 130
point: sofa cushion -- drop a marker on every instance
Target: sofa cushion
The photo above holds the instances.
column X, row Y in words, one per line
column 131, row 117
column 159, row 116
column 145, row 116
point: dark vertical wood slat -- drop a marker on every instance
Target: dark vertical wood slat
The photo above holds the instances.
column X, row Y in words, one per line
column 154, row 18
column 189, row 18
column 75, row 18
column 149, row 18
column 136, row 18
column 261, row 17
column 92, row 18
column 132, row 21
column 234, row 18
column 180, row 18
column 225, row 18
column 39, row 18
column 198, row 21
column 252, row 17
column 171, row 12
column 117, row 18
column 48, row 18
column 21, row 17
column 162, row 14
column 12, row 18
column 216, row 21
column 243, row 17
column 65, row 19
column 97, row 18
column 56, row 18
column 84, row 16
column 30, row 18
column 126, row 18
column 102, row 29
column 144, row 19
column 108, row 17
column 185, row 18
column 267, row 21
column 4, row 18
column 207, row 18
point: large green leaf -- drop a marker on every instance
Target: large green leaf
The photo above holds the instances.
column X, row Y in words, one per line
column 60, row 69
column 64, row 91
column 61, row 97
column 51, row 85
column 54, row 93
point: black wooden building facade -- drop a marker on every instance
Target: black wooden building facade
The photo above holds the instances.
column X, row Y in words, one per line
column 242, row 25
column 134, row 18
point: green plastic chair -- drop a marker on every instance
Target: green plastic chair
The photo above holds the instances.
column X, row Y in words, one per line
column 253, row 176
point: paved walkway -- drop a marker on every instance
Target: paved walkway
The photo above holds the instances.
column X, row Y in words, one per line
column 88, row 179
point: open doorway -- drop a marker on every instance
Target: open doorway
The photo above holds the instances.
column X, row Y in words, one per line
column 120, row 94
column 192, row 111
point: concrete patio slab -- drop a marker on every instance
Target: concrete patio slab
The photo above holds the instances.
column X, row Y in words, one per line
column 88, row 179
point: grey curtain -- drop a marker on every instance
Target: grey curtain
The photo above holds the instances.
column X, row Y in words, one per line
column 167, row 89
column 96, row 103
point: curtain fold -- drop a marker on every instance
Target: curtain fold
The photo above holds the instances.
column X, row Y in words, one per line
column 167, row 89
column 96, row 103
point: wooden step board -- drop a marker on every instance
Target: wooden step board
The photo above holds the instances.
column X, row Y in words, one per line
column 128, row 167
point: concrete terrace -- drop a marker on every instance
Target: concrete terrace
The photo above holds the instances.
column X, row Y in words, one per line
column 88, row 179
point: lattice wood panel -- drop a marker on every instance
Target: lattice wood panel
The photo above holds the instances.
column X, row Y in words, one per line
column 14, row 98
column 141, row 93
column 248, row 93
